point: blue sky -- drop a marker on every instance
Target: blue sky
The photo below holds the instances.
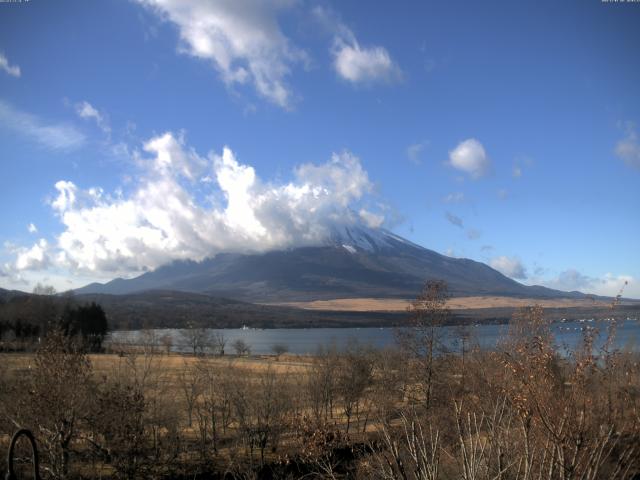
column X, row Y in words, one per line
column 133, row 133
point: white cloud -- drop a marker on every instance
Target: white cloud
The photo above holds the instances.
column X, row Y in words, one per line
column 241, row 37
column 571, row 280
column 54, row 136
column 164, row 218
column 32, row 228
column 517, row 171
column 454, row 220
column 172, row 157
column 470, row 157
column 628, row 149
column 370, row 219
column 608, row 284
column 454, row 197
column 509, row 266
column 34, row 258
column 66, row 196
column 87, row 111
column 13, row 70
column 612, row 285
column 358, row 64
column 414, row 151
column 353, row 62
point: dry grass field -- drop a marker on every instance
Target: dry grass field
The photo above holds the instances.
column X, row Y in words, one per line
column 175, row 390
column 457, row 303
column 172, row 365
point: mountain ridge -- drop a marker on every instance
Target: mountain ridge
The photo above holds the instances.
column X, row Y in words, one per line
column 350, row 262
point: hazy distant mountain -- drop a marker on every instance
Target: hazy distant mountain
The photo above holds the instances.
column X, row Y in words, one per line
column 6, row 295
column 352, row 262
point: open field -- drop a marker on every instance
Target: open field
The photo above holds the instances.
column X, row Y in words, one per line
column 172, row 365
column 354, row 414
column 457, row 303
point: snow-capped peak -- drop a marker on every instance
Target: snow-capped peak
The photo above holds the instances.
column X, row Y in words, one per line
column 357, row 237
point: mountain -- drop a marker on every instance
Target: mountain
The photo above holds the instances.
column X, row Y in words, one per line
column 6, row 295
column 352, row 262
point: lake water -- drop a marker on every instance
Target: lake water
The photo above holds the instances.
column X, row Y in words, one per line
column 307, row 340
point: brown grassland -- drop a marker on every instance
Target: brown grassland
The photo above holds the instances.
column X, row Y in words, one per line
column 456, row 303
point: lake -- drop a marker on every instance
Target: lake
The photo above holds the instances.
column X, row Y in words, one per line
column 307, row 340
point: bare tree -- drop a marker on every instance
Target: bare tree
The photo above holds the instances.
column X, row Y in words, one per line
column 320, row 448
column 421, row 338
column 218, row 342
column 190, row 386
column 197, row 339
column 41, row 289
column 410, row 453
column 145, row 372
column 261, row 408
column 321, row 383
column 390, row 381
column 208, row 406
column 226, row 383
column 167, row 342
column 213, row 408
column 117, row 422
column 241, row 347
column 279, row 349
column 149, row 341
column 354, row 376
column 58, row 397
column 563, row 406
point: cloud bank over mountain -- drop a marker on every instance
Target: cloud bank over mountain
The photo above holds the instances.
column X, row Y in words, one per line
column 188, row 206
